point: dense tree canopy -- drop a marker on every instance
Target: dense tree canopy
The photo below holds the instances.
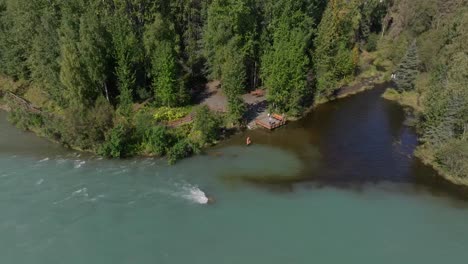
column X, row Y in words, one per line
column 95, row 63
column 129, row 51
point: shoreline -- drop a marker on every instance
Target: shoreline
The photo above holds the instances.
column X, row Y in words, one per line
column 424, row 153
column 346, row 91
column 342, row 92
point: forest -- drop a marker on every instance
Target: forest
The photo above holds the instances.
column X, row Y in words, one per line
column 108, row 74
column 428, row 41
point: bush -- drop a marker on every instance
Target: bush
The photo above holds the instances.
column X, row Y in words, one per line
column 86, row 128
column 206, row 125
column 453, row 158
column 164, row 114
column 180, row 150
column 143, row 121
column 371, row 44
column 158, row 140
column 119, row 142
column 25, row 120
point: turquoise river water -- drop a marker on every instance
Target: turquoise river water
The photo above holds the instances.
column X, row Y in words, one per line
column 340, row 186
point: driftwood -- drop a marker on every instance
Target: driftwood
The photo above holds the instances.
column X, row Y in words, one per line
column 21, row 102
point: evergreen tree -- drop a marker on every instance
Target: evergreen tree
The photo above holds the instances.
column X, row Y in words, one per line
column 126, row 56
column 45, row 52
column 95, row 46
column 408, row 69
column 233, row 80
column 285, row 62
column 335, row 41
column 72, row 71
column 227, row 19
column 161, row 47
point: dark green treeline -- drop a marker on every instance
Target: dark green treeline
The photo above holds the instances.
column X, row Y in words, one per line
column 130, row 50
column 92, row 64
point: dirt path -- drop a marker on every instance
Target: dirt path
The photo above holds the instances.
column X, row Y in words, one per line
column 214, row 98
column 257, row 107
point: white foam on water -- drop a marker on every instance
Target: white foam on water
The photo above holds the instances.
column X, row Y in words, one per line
column 196, row 195
column 96, row 198
column 43, row 160
column 79, row 163
column 121, row 170
column 81, row 192
column 191, row 192
column 186, row 191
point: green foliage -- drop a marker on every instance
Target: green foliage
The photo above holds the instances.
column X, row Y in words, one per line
column 372, row 14
column 227, row 19
column 84, row 48
column 453, row 158
column 158, row 140
column 180, row 150
column 439, row 27
column 86, row 128
column 206, row 126
column 160, row 43
column 165, row 114
column 45, row 50
column 372, row 41
column 335, row 41
column 233, row 80
column 285, row 62
column 119, row 143
column 25, row 120
column 126, row 54
column 87, row 57
column 408, row 69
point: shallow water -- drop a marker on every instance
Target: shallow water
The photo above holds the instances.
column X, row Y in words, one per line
column 338, row 186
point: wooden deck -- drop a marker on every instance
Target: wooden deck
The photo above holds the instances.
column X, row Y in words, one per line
column 272, row 122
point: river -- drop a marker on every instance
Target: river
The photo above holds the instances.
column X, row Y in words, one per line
column 339, row 186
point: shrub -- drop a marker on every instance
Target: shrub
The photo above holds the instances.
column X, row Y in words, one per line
column 180, row 150
column 143, row 121
column 158, row 140
column 163, row 114
column 371, row 44
column 206, row 124
column 119, row 142
column 453, row 157
column 25, row 120
column 86, row 128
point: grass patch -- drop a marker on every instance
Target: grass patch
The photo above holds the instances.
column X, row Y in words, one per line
column 428, row 155
column 36, row 96
column 408, row 99
column 168, row 114
column 8, row 84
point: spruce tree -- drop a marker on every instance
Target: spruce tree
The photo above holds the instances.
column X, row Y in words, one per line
column 408, row 69
column 233, row 80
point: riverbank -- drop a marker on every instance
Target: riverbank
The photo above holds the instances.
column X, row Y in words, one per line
column 144, row 115
column 425, row 152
